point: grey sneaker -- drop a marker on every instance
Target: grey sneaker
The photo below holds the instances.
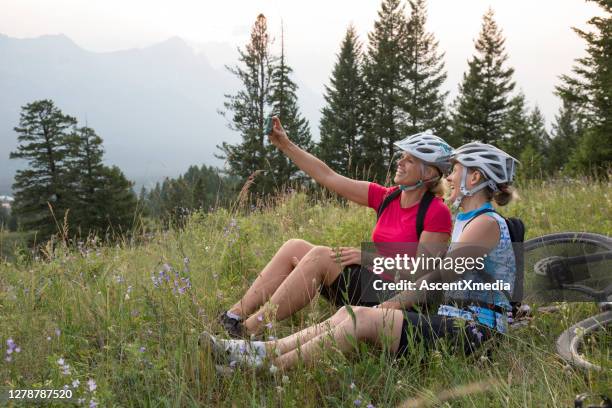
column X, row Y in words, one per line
column 219, row 353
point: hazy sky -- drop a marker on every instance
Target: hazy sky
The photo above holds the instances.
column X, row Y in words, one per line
column 540, row 42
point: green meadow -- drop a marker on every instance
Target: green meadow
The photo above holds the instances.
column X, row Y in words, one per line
column 97, row 318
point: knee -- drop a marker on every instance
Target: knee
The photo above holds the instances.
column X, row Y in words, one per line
column 342, row 313
column 296, row 247
column 358, row 311
column 294, row 242
column 364, row 318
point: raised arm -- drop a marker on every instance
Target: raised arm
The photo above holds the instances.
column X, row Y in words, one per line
column 354, row 190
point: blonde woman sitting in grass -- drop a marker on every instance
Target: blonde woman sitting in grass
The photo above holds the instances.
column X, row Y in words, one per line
column 300, row 269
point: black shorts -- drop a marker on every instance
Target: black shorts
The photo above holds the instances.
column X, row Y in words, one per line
column 427, row 328
column 354, row 287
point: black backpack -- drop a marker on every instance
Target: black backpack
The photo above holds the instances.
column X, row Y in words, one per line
column 423, row 206
column 516, row 228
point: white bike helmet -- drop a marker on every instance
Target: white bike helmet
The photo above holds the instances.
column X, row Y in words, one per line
column 497, row 166
column 431, row 150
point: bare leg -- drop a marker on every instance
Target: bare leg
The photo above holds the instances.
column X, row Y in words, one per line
column 294, row 340
column 370, row 325
column 270, row 278
column 299, row 288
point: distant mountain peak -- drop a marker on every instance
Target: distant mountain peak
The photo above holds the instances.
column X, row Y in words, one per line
column 173, row 44
column 60, row 38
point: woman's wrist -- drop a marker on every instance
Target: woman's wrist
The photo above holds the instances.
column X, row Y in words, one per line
column 285, row 145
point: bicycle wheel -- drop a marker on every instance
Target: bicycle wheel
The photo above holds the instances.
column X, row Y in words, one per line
column 566, row 245
column 569, row 342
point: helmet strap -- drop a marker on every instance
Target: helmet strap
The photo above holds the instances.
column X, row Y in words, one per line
column 420, row 182
column 464, row 192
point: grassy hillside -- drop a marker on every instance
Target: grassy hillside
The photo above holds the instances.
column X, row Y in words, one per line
column 97, row 310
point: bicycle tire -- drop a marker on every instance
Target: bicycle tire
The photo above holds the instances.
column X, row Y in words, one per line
column 603, row 241
column 570, row 340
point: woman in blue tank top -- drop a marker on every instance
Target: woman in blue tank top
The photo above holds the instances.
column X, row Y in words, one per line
column 481, row 174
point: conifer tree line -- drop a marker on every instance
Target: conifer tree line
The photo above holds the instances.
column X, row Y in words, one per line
column 204, row 188
column 392, row 86
column 65, row 182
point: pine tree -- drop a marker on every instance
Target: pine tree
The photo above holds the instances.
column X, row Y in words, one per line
column 517, row 133
column 566, row 131
column 248, row 107
column 590, row 93
column 424, row 75
column 342, row 118
column 42, row 134
column 482, row 103
column 540, row 138
column 533, row 155
column 84, row 171
column 116, row 200
column 95, row 189
column 283, row 100
column 384, row 88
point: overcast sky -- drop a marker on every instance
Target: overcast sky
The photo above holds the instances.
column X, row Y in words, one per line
column 540, row 42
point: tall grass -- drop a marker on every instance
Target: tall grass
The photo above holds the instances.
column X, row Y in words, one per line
column 99, row 309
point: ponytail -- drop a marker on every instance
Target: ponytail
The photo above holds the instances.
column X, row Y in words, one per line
column 503, row 196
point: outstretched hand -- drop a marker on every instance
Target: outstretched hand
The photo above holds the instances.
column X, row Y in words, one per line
column 277, row 137
column 346, row 255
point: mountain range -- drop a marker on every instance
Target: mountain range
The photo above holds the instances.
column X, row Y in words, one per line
column 156, row 108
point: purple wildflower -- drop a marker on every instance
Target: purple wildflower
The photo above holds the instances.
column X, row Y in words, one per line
column 357, row 402
column 58, row 332
column 75, row 383
column 91, row 384
column 269, row 325
column 260, row 318
column 142, row 349
column 93, row 403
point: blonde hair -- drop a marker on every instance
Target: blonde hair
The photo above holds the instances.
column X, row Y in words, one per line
column 438, row 187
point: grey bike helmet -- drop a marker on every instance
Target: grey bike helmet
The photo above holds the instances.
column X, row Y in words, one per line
column 430, row 149
column 497, row 166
